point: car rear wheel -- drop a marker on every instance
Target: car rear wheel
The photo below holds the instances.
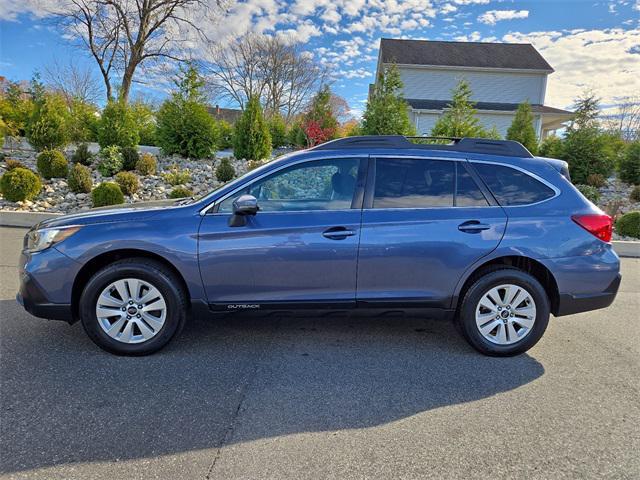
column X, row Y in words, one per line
column 133, row 307
column 504, row 312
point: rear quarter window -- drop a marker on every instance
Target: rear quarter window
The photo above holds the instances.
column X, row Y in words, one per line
column 511, row 186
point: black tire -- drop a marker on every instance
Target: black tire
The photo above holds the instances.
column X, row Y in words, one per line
column 466, row 319
column 147, row 270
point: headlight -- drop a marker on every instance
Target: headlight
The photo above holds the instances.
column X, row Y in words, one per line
column 38, row 240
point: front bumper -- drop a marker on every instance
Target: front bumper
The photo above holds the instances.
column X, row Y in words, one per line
column 31, row 297
column 46, row 283
column 569, row 304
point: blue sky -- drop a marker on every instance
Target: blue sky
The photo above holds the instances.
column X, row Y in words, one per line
column 591, row 44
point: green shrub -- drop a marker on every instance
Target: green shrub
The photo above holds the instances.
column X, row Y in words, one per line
column 225, row 171
column 117, row 126
column 596, row 180
column 147, row 164
column 82, row 155
column 184, row 124
column 180, row 192
column 80, row 179
column 278, row 131
column 128, row 181
column 592, row 193
column 252, row 140
column 83, row 121
column 110, row 161
column 130, row 157
column 177, row 176
column 630, row 164
column 186, row 128
column 20, row 184
column 634, row 196
column 47, row 127
column 12, row 163
column 551, row 147
column 296, row 136
column 628, row 225
column 52, row 164
column 225, row 135
column 144, row 117
column 107, row 193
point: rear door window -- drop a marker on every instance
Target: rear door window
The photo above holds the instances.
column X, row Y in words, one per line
column 468, row 194
column 512, row 187
column 413, row 183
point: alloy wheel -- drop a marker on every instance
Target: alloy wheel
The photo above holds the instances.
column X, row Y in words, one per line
column 505, row 314
column 131, row 310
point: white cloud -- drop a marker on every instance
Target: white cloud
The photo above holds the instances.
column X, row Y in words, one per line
column 601, row 60
column 448, row 8
column 357, row 73
column 637, row 5
column 493, row 16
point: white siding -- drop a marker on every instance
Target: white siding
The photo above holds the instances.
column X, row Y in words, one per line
column 503, row 87
column 424, row 122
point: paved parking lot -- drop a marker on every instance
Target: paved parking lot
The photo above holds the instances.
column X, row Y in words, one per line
column 320, row 398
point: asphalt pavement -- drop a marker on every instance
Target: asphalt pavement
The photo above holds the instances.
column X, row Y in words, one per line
column 313, row 398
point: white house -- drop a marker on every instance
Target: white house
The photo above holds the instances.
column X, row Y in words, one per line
column 501, row 76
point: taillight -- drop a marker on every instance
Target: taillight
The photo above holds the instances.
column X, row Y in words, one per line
column 600, row 226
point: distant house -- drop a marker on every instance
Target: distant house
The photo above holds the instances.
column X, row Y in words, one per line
column 229, row 115
column 501, row 76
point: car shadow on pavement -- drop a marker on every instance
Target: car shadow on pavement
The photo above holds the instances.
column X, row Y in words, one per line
column 226, row 381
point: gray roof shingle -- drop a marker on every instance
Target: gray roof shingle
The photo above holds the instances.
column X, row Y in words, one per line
column 521, row 56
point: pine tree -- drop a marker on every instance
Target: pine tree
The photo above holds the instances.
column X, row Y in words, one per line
column 459, row 119
column 252, row 140
column 387, row 112
column 320, row 124
column 184, row 125
column 522, row 130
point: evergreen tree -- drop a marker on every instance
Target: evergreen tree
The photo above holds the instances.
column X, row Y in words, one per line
column 459, row 119
column 48, row 125
column 387, row 112
column 184, row 125
column 522, row 130
column 117, row 126
column 585, row 147
column 252, row 140
column 320, row 124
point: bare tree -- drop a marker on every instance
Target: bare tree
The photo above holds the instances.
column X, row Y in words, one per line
column 73, row 82
column 235, row 72
column 123, row 35
column 283, row 75
column 625, row 120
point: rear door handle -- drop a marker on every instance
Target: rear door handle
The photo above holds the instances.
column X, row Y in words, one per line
column 473, row 226
column 338, row 233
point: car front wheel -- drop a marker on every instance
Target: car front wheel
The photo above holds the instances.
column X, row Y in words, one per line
column 133, row 307
column 504, row 312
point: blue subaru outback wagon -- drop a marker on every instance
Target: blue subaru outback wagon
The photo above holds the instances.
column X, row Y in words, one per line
column 475, row 230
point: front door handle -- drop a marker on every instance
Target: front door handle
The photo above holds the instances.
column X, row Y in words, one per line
column 338, row 233
column 473, row 226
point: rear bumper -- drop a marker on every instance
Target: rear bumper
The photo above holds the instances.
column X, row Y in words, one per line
column 585, row 282
column 569, row 304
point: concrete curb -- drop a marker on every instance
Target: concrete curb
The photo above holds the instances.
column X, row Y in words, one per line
column 626, row 249
column 29, row 219
column 23, row 219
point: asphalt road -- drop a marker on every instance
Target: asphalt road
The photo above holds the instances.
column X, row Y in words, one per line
column 320, row 398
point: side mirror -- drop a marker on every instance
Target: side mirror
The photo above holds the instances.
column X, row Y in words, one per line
column 243, row 206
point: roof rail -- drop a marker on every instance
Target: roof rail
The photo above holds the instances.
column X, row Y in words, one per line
column 508, row 148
